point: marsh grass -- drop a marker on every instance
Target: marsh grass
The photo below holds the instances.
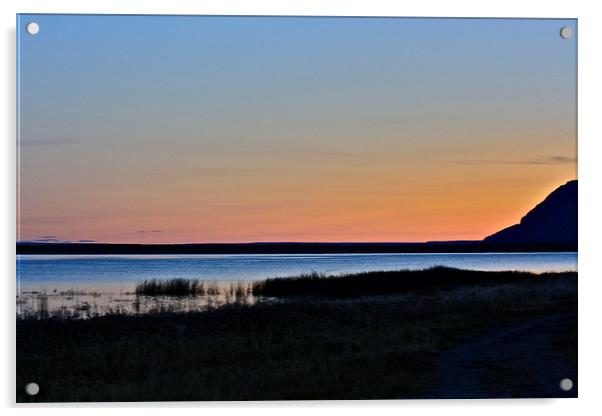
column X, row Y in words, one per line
column 191, row 287
column 172, row 287
column 392, row 282
column 376, row 346
column 347, row 285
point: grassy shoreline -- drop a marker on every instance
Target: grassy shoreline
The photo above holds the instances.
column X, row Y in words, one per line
column 350, row 285
column 393, row 282
column 380, row 345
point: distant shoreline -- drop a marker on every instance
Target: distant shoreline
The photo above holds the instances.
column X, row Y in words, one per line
column 289, row 248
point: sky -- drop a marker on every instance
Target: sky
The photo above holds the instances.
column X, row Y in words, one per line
column 175, row 129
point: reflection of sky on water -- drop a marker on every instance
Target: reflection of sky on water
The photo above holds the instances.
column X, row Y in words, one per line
column 119, row 273
column 96, row 285
column 83, row 305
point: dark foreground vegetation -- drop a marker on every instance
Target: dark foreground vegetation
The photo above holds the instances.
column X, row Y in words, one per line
column 188, row 287
column 384, row 344
column 391, row 282
column 351, row 285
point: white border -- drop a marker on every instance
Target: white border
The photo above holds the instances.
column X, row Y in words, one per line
column 590, row 209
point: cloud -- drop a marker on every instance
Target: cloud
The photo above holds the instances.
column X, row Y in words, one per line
column 49, row 141
column 563, row 159
column 54, row 239
column 47, row 239
column 341, row 154
column 148, row 231
column 473, row 162
column 548, row 160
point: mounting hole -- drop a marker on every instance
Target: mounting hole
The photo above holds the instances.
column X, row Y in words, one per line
column 32, row 389
column 32, row 28
column 566, row 384
column 566, row 32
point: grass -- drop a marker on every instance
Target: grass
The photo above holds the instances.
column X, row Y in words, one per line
column 188, row 287
column 349, row 285
column 312, row 346
column 173, row 287
column 391, row 282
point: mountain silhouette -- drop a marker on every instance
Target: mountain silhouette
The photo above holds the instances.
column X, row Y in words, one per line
column 550, row 226
column 554, row 220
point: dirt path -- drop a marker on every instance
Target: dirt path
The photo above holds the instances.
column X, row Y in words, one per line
column 527, row 360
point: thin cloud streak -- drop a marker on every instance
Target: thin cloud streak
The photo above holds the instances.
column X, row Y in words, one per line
column 550, row 160
column 54, row 141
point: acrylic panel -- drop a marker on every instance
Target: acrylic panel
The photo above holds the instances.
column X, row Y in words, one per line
column 295, row 208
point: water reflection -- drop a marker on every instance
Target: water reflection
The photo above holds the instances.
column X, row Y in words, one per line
column 78, row 286
column 72, row 304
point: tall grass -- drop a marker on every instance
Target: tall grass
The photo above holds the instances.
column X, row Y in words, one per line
column 348, row 285
column 191, row 287
column 173, row 287
column 391, row 282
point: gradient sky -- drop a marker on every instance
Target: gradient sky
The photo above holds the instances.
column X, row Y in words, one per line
column 232, row 129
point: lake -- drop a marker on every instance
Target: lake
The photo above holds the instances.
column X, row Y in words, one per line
column 81, row 286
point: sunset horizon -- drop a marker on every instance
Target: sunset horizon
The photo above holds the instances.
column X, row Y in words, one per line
column 54, row 239
column 321, row 144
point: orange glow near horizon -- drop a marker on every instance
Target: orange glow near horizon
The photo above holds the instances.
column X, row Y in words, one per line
column 350, row 206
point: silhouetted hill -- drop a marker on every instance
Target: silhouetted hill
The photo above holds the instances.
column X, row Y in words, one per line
column 552, row 221
column 550, row 226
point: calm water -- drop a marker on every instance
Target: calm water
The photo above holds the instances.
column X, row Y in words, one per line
column 93, row 285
